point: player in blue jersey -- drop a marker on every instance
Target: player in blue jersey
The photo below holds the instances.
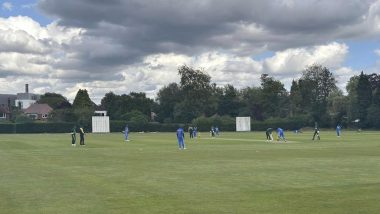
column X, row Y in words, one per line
column 126, row 133
column 338, row 129
column 181, row 138
column 280, row 134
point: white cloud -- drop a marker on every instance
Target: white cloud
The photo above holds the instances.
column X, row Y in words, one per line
column 292, row 60
column 28, row 6
column 343, row 75
column 7, row 6
column 377, row 52
column 49, row 59
column 143, row 50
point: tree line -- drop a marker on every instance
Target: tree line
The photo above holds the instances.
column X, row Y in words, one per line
column 314, row 97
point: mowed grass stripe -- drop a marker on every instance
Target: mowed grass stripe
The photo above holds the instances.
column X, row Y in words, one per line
column 237, row 174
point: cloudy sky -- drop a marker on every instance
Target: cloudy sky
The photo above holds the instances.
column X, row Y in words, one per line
column 137, row 45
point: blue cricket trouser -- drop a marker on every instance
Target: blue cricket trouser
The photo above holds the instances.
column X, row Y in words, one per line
column 181, row 143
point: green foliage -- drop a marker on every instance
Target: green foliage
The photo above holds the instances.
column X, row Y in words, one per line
column 135, row 117
column 293, row 123
column 251, row 103
column 317, row 82
column 63, row 115
column 119, row 105
column 224, row 123
column 56, row 101
column 82, row 100
column 273, row 97
column 167, row 98
column 337, row 107
column 373, row 116
column 32, row 127
column 21, row 118
column 83, row 108
column 7, row 128
column 364, row 97
column 196, row 93
column 229, row 101
column 118, row 126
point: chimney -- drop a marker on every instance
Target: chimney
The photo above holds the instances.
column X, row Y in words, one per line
column 9, row 103
column 26, row 88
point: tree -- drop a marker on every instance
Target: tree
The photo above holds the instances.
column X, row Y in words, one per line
column 318, row 82
column 63, row 115
column 167, row 98
column 374, row 80
column 251, row 103
column 119, row 105
column 229, row 103
column 295, row 99
column 337, row 107
column 373, row 116
column 56, row 101
column 135, row 116
column 83, row 107
column 82, row 100
column 111, row 103
column 139, row 102
column 273, row 97
column 364, row 97
column 352, row 108
column 196, row 93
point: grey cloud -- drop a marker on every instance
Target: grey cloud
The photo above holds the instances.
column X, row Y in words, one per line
column 120, row 33
column 141, row 27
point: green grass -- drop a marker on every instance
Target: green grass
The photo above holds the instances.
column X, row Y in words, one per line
column 235, row 173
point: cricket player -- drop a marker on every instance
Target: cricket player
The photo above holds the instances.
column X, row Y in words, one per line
column 338, row 128
column 268, row 132
column 316, row 131
column 73, row 137
column 280, row 134
column 181, row 138
column 126, row 133
column 81, row 135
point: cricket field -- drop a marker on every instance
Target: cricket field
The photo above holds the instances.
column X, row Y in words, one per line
column 232, row 173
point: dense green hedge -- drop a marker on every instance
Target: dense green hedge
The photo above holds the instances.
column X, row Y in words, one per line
column 224, row 123
column 118, row 126
column 203, row 124
column 284, row 123
column 36, row 127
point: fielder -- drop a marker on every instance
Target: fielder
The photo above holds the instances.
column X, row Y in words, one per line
column 73, row 137
column 280, row 134
column 181, row 138
column 338, row 129
column 126, row 133
column 268, row 133
column 316, row 131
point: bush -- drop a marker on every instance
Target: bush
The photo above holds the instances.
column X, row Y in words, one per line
column 7, row 128
column 36, row 127
column 135, row 116
column 284, row 123
column 119, row 125
column 224, row 123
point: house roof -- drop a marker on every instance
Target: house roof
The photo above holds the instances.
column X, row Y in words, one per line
column 4, row 110
column 4, row 99
column 38, row 109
